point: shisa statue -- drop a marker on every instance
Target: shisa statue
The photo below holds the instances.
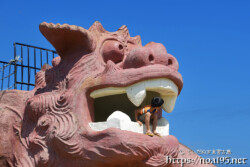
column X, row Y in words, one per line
column 81, row 111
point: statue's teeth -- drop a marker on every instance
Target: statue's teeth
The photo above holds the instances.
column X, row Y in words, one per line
column 162, row 86
column 136, row 93
column 122, row 121
column 119, row 120
column 107, row 92
column 169, row 102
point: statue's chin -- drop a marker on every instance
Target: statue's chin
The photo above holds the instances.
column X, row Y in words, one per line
column 115, row 146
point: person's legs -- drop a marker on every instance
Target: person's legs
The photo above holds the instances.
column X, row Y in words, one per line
column 155, row 118
column 147, row 123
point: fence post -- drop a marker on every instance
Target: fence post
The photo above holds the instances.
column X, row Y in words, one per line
column 15, row 67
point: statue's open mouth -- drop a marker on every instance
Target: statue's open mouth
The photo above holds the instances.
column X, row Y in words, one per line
column 127, row 99
column 116, row 133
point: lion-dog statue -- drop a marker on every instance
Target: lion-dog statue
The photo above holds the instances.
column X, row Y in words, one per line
column 96, row 73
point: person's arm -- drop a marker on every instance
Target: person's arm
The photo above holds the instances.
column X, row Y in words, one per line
column 136, row 115
column 159, row 113
column 137, row 112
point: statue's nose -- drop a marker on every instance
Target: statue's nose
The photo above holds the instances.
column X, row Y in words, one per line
column 150, row 54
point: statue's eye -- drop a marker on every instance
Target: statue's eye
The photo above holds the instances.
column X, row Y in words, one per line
column 113, row 50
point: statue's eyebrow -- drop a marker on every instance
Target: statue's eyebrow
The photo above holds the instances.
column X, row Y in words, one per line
column 131, row 42
column 112, row 37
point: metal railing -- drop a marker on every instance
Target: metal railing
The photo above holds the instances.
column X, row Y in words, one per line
column 28, row 60
column 5, row 67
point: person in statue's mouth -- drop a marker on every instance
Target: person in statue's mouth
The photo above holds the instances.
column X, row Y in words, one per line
column 149, row 113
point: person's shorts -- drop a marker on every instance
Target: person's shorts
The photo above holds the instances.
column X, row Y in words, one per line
column 142, row 117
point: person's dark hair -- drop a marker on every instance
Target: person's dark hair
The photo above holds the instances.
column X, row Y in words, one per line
column 156, row 102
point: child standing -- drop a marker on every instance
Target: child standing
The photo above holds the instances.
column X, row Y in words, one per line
column 149, row 112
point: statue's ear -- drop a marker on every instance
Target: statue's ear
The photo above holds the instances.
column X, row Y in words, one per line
column 68, row 39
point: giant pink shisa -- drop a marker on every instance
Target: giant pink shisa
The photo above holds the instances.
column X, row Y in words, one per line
column 97, row 73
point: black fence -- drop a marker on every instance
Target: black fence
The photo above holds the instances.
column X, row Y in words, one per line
column 19, row 73
column 6, row 78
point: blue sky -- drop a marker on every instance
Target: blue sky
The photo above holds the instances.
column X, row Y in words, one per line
column 210, row 39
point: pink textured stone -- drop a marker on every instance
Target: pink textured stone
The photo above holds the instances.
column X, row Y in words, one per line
column 48, row 126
